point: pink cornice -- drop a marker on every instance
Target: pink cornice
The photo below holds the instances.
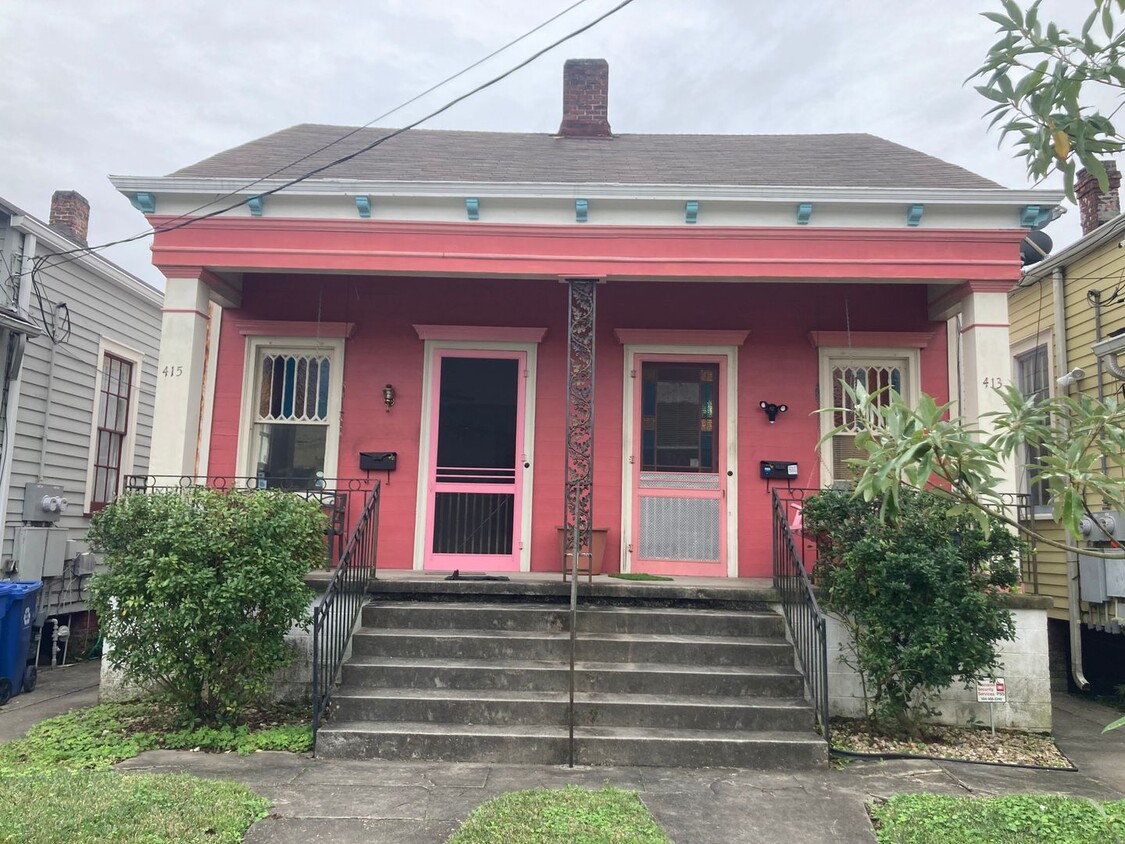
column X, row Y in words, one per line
column 283, row 328
column 481, row 333
column 872, row 339
column 679, row 337
column 570, row 251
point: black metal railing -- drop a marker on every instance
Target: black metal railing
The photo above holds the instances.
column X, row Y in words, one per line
column 808, row 625
column 1019, row 504
column 335, row 614
column 335, row 495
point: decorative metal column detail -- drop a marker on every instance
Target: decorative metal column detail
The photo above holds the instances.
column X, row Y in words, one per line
column 578, row 515
column 578, row 496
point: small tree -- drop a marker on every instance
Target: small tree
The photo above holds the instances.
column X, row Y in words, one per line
column 200, row 590
column 1041, row 79
column 918, row 594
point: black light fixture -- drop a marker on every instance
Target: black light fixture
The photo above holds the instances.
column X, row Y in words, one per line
column 772, row 409
column 389, row 397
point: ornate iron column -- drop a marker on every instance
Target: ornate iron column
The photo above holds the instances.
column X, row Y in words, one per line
column 578, row 505
column 579, row 492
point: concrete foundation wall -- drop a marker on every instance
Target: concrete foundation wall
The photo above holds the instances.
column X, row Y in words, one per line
column 1025, row 668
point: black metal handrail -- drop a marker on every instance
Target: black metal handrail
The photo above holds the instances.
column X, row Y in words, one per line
column 808, row 625
column 335, row 614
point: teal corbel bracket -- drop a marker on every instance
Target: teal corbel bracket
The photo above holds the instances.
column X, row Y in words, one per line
column 144, row 202
column 1035, row 216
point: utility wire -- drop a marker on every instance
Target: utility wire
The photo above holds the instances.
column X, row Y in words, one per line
column 73, row 254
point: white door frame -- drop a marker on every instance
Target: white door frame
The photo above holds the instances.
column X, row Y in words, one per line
column 426, row 428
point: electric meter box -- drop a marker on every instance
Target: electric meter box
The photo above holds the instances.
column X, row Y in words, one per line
column 43, row 502
column 39, row 552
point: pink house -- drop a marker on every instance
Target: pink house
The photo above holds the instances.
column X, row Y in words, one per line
column 470, row 316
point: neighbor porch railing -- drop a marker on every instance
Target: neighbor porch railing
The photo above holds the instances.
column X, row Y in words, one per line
column 335, row 495
column 808, row 625
column 335, row 614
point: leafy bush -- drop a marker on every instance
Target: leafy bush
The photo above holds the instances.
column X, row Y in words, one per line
column 200, row 590
column 918, row 592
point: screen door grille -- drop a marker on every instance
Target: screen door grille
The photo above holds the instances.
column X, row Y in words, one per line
column 679, row 528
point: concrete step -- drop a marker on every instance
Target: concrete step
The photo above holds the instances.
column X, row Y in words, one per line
column 370, row 672
column 605, row 647
column 641, row 746
column 547, row 618
column 506, row 707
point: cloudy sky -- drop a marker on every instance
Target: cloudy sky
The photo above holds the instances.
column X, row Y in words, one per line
column 135, row 87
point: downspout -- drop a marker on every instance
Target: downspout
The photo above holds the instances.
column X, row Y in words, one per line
column 15, row 373
column 1074, row 609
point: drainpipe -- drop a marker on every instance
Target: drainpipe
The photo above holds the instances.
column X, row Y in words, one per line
column 15, row 372
column 1073, row 607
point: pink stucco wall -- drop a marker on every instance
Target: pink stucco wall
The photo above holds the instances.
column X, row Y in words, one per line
column 777, row 363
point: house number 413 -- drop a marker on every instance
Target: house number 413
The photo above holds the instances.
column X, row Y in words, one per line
column 172, row 371
column 994, row 382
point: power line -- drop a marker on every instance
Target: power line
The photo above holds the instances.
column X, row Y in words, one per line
column 73, row 254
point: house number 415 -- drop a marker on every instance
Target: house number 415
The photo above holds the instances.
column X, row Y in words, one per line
column 994, row 382
column 172, row 371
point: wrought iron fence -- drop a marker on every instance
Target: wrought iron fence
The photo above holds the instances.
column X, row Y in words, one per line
column 808, row 626
column 334, row 616
column 335, row 495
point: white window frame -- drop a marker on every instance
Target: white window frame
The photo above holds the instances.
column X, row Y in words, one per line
column 129, row 445
column 830, row 356
column 255, row 344
column 1018, row 350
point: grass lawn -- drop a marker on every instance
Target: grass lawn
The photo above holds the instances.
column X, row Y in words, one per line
column 56, row 783
column 46, row 807
column 568, row 815
column 1014, row 819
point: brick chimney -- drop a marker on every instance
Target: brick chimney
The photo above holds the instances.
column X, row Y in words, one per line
column 585, row 99
column 1095, row 207
column 70, row 215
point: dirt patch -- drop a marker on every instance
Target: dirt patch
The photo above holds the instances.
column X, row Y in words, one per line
column 969, row 744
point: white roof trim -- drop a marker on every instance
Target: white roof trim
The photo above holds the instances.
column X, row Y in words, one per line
column 44, row 234
column 542, row 190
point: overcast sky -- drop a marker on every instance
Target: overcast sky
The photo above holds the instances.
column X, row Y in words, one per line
column 141, row 88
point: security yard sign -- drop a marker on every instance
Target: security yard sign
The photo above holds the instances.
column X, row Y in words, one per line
column 992, row 691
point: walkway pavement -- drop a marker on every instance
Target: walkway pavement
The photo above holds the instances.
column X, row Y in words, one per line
column 318, row 800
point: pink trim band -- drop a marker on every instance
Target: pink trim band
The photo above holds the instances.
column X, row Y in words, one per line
column 479, row 333
column 680, row 337
column 291, row 328
column 871, row 339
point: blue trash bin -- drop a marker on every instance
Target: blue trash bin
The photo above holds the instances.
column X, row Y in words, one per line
column 18, row 598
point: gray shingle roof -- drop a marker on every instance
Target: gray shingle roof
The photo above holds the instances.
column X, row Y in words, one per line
column 427, row 155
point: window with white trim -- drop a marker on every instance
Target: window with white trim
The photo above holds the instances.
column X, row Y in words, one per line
column 292, row 411
column 892, row 370
column 112, row 436
column 1033, row 378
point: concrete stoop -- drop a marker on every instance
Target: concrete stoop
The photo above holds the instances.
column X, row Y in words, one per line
column 484, row 680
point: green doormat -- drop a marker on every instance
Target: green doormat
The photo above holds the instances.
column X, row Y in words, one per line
column 640, row 576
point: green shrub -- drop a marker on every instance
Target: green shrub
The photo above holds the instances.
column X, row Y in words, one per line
column 200, row 590
column 917, row 592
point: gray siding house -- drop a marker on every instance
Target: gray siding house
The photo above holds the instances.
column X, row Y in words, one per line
column 79, row 340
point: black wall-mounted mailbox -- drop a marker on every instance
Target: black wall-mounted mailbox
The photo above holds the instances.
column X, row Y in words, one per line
column 378, row 461
column 779, row 470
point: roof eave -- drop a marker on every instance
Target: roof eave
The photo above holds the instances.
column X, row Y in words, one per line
column 1109, row 231
column 211, row 186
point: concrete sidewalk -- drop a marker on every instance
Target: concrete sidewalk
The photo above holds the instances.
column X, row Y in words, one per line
column 318, row 800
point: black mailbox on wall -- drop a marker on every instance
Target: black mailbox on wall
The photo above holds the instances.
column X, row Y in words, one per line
column 378, row 461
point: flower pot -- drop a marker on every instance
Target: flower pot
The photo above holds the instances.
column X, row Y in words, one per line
column 589, row 558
